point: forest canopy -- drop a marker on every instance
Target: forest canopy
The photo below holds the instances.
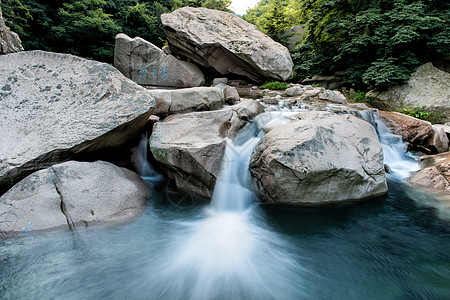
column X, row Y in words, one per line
column 376, row 43
column 88, row 27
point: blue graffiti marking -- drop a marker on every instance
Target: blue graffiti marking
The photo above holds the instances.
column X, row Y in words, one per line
column 26, row 228
column 155, row 75
column 142, row 71
column 164, row 72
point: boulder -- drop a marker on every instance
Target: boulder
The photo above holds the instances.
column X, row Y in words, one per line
column 187, row 100
column 146, row 64
column 9, row 40
column 190, row 147
column 428, row 87
column 225, row 42
column 412, row 130
column 58, row 107
column 438, row 141
column 74, row 195
column 431, row 184
column 319, row 158
column 294, row 91
column 333, row 96
column 230, row 95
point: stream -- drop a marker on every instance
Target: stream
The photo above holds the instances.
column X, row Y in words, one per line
column 236, row 248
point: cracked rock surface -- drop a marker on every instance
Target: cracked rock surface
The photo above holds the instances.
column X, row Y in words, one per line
column 319, row 158
column 75, row 195
column 57, row 106
column 190, row 146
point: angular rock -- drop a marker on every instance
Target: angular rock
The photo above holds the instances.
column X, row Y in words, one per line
column 187, row 100
column 294, row 91
column 319, row 158
column 333, row 96
column 438, row 140
column 225, row 42
column 146, row 64
column 412, row 130
column 58, row 107
column 428, row 87
column 74, row 195
column 222, row 80
column 190, row 146
column 230, row 95
column 9, row 40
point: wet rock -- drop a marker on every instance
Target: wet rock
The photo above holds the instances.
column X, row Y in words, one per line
column 58, row 107
column 319, row 158
column 190, row 147
column 225, row 42
column 438, row 141
column 75, row 195
column 412, row 130
column 428, row 87
column 146, row 64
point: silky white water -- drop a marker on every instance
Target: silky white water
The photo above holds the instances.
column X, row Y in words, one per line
column 400, row 162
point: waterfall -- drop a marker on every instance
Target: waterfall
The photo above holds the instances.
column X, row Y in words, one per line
column 141, row 163
column 229, row 253
column 400, row 162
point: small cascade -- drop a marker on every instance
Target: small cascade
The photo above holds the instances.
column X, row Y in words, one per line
column 229, row 250
column 232, row 192
column 141, row 163
column 400, row 162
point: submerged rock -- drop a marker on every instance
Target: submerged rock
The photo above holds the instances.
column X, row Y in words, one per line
column 225, row 42
column 58, row 107
column 319, row 158
column 428, row 87
column 74, row 195
column 190, row 147
column 431, row 184
column 146, row 64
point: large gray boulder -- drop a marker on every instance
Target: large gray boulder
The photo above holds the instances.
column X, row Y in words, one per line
column 428, row 86
column 73, row 195
column 225, row 42
column 190, row 146
column 56, row 107
column 146, row 64
column 9, row 40
column 319, row 158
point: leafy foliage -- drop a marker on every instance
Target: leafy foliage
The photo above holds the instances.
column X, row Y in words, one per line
column 420, row 113
column 88, row 27
column 275, row 85
column 378, row 43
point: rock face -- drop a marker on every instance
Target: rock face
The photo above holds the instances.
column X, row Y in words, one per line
column 428, row 86
column 319, row 158
column 190, row 146
column 187, row 100
column 412, row 130
column 438, row 141
column 9, row 40
column 74, row 195
column 226, row 43
column 146, row 64
column 56, row 107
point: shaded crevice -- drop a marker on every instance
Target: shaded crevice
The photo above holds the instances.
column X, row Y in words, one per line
column 62, row 204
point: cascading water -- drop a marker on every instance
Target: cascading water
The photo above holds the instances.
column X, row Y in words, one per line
column 400, row 162
column 228, row 253
column 141, row 163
